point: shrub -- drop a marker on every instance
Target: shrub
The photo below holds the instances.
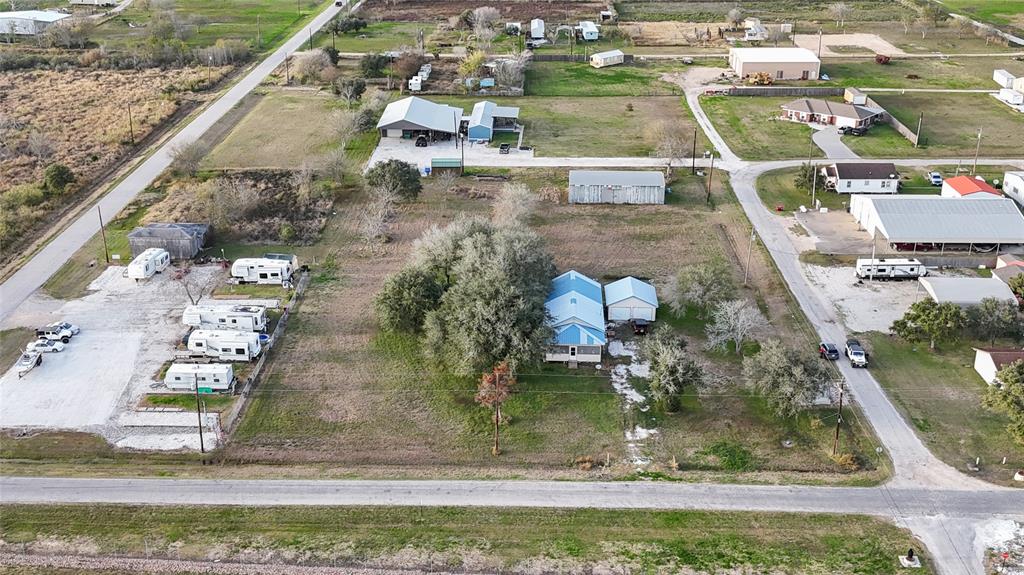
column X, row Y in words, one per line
column 400, row 177
column 372, row 65
column 24, row 195
column 56, row 179
column 287, row 232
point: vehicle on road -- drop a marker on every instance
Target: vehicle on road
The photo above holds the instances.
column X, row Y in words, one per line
column 890, row 269
column 856, row 354
column 44, row 345
column 55, row 332
column 27, row 362
column 504, row 148
column 935, row 178
column 828, row 351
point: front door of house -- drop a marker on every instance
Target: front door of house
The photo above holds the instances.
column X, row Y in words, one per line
column 804, row 75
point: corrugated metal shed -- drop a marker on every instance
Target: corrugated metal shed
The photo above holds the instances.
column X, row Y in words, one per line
column 628, row 287
column 616, row 187
column 181, row 240
column 966, row 291
column 935, row 219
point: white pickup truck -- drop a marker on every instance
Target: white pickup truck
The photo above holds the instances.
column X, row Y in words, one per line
column 856, row 354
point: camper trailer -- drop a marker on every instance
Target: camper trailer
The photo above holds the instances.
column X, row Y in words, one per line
column 224, row 344
column 890, row 269
column 150, row 262
column 201, row 377
column 262, row 271
column 230, row 317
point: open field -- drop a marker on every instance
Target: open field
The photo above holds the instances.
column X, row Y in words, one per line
column 483, row 539
column 999, row 12
column 752, row 128
column 580, row 79
column 12, row 341
column 377, row 37
column 954, row 73
column 438, row 10
column 940, row 393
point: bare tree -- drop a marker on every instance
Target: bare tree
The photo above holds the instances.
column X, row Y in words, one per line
column 737, row 321
column 514, row 205
column 775, row 34
column 39, row 145
column 907, row 18
column 485, row 37
column 375, row 217
column 674, row 142
column 186, row 156
column 484, row 16
column 302, row 182
column 839, row 11
column 735, row 17
column 195, row 289
column 925, row 25
column 446, row 180
column 343, row 125
column 334, row 165
column 308, row 65
column 510, row 71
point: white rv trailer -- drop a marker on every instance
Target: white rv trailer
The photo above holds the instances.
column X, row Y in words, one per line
column 226, row 316
column 262, row 271
column 225, row 344
column 536, row 29
column 890, row 268
column 150, row 262
column 207, row 377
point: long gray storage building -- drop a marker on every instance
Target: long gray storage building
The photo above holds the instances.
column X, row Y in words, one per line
column 181, row 240
column 616, row 187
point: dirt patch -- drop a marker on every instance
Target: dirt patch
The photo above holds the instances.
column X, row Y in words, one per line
column 672, row 33
column 420, row 10
column 843, row 42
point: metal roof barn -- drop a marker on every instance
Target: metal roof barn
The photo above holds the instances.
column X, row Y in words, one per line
column 181, row 240
column 934, row 219
column 415, row 113
column 29, row 22
column 966, row 291
column 630, row 298
column 616, row 187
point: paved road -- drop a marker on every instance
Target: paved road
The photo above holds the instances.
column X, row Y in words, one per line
column 37, row 270
column 831, row 143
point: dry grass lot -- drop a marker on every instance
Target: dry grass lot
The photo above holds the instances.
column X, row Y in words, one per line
column 438, row 10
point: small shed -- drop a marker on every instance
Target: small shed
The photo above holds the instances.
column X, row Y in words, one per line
column 616, row 187
column 1003, row 78
column 855, row 96
column 990, row 361
column 438, row 165
column 609, row 58
column 181, row 240
column 630, row 298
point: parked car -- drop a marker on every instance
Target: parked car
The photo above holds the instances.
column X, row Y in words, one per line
column 640, row 326
column 44, row 345
column 55, row 333
column 421, row 142
column 74, row 329
column 504, row 148
column 856, row 354
column 858, row 131
column 935, row 178
column 828, row 351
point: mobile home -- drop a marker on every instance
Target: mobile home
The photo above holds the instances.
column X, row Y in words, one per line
column 1003, row 78
column 890, row 269
column 588, row 30
column 262, row 270
column 231, row 317
column 148, row 263
column 206, row 377
column 609, row 58
column 225, row 344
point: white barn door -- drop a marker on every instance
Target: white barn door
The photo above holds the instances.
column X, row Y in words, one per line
column 618, row 313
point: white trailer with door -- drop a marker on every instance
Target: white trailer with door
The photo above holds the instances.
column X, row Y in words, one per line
column 206, row 377
column 262, row 271
column 890, row 269
column 224, row 344
column 226, row 316
column 148, row 263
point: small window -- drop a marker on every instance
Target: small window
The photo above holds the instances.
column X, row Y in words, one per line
column 222, row 320
column 234, row 321
column 199, row 344
column 263, row 276
column 177, row 378
column 778, row 74
column 240, row 351
column 867, row 182
column 275, row 275
column 849, row 183
column 225, row 350
column 216, row 380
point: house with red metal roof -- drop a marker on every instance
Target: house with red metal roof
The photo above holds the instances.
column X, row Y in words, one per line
column 968, row 187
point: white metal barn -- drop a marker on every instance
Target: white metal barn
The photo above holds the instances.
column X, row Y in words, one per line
column 616, row 187
column 262, row 270
column 990, row 361
column 207, row 377
column 630, row 298
column 148, row 263
column 226, row 316
column 966, row 291
column 29, row 22
column 225, row 344
column 609, row 58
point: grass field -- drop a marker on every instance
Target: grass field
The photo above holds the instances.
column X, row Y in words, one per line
column 751, row 128
column 998, row 12
column 481, row 539
column 777, row 188
column 954, row 74
column 941, row 394
column 12, row 341
column 580, row 79
column 377, row 37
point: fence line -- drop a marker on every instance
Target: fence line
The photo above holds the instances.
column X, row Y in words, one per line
column 896, row 124
column 785, row 91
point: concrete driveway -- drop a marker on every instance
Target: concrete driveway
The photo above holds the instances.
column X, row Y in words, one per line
column 827, row 138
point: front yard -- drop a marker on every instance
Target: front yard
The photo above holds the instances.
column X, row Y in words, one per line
column 753, row 129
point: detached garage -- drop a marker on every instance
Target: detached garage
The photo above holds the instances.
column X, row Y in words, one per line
column 630, row 298
column 616, row 187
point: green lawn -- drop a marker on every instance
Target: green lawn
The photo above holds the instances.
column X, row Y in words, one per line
column 941, row 394
column 752, row 128
column 963, row 73
column 378, row 37
column 187, row 401
column 500, row 538
column 777, row 188
column 999, row 12
column 580, row 79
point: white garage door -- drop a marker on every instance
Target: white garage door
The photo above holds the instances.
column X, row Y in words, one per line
column 618, row 313
column 643, row 313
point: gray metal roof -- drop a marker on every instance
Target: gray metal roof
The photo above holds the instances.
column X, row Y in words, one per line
column 422, row 113
column 966, row 291
column 615, row 178
column 948, row 220
column 169, row 231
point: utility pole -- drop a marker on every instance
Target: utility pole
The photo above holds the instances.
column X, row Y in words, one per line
column 977, row 149
column 310, row 37
column 711, row 171
column 839, row 420
column 131, row 126
column 920, row 120
column 693, row 169
column 814, row 186
column 199, row 416
column 103, row 234
column 819, row 43
column 259, row 38
column 750, row 249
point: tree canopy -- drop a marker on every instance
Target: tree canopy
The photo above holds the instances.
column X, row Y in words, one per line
column 400, row 177
column 700, row 286
column 929, row 321
column 1008, row 397
column 788, row 380
column 673, row 371
column 993, row 319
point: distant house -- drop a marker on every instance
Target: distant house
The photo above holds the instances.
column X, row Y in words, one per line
column 587, row 30
column 181, row 240
column 488, row 117
column 966, row 292
column 609, row 58
column 867, row 178
column 968, row 187
column 576, row 311
column 413, row 117
column 1013, row 186
column 839, row 114
column 988, row 362
column 1008, row 266
column 630, row 298
column 616, row 187
column 779, row 63
column 29, row 22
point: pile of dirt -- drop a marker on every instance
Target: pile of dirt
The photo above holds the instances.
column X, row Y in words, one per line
column 250, row 206
column 511, row 10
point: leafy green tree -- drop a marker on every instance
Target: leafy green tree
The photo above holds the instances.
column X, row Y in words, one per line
column 57, row 178
column 372, row 65
column 993, row 318
column 439, row 249
column 788, row 380
column 673, row 371
column 1016, row 284
column 401, row 177
column 350, row 23
column 929, row 321
column 406, row 298
column 1008, row 397
column 700, row 286
column 803, row 178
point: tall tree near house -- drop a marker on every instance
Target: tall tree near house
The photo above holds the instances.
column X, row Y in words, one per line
column 439, row 249
column 737, row 321
column 406, row 298
column 672, row 371
column 1008, row 397
column 788, row 380
column 495, row 387
column 839, row 12
column 700, row 286
column 993, row 318
column 929, row 321
column 1016, row 285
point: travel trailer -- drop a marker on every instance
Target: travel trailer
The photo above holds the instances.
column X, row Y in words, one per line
column 148, row 263
column 536, row 29
column 262, row 271
column 207, row 377
column 890, row 269
column 231, row 317
column 224, row 344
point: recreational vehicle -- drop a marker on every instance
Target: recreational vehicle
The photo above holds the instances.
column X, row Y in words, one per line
column 224, row 344
column 890, row 269
column 536, row 29
column 262, row 271
column 207, row 377
column 150, row 262
column 232, row 317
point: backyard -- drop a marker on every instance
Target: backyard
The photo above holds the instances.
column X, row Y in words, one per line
column 778, row 188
